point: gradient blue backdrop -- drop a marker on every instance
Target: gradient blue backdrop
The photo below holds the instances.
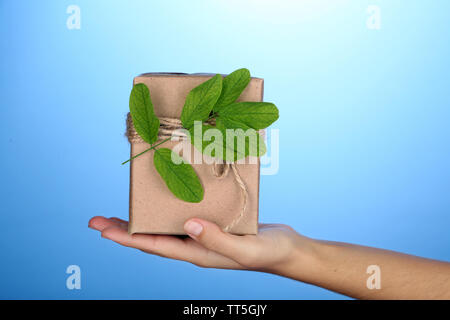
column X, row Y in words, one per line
column 364, row 132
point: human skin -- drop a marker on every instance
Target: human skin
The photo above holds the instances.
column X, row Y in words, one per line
column 279, row 249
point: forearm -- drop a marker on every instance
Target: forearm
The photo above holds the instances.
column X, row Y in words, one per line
column 343, row 268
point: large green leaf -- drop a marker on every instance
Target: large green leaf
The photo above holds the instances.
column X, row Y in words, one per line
column 256, row 115
column 232, row 87
column 200, row 101
column 239, row 144
column 253, row 147
column 144, row 119
column 180, row 178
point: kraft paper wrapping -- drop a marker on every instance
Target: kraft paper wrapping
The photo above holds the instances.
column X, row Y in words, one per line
column 153, row 208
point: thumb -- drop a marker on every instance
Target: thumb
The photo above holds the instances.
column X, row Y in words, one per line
column 213, row 238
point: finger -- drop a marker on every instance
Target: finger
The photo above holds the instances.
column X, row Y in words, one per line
column 121, row 222
column 100, row 223
column 237, row 248
column 170, row 247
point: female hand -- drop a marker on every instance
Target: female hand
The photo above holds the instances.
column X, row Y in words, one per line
column 275, row 246
column 278, row 249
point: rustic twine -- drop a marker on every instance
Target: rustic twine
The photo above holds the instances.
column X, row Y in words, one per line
column 168, row 128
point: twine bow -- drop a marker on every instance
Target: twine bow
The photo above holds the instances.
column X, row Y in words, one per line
column 168, row 128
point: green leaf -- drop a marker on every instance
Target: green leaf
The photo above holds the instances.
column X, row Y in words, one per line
column 236, row 147
column 232, row 87
column 144, row 119
column 200, row 101
column 216, row 146
column 180, row 178
column 256, row 115
column 253, row 147
column 259, row 149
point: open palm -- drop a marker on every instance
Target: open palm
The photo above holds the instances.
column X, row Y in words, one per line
column 211, row 247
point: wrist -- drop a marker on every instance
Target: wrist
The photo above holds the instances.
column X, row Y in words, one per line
column 302, row 262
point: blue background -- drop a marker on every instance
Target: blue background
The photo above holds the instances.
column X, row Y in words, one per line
column 364, row 133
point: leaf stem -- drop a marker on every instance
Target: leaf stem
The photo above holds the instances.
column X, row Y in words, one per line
column 151, row 148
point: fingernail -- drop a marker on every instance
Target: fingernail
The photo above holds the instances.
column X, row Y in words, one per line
column 193, row 228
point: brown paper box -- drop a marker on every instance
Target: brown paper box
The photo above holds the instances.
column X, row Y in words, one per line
column 153, row 208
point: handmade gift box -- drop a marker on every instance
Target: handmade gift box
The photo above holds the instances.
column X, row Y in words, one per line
column 231, row 191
